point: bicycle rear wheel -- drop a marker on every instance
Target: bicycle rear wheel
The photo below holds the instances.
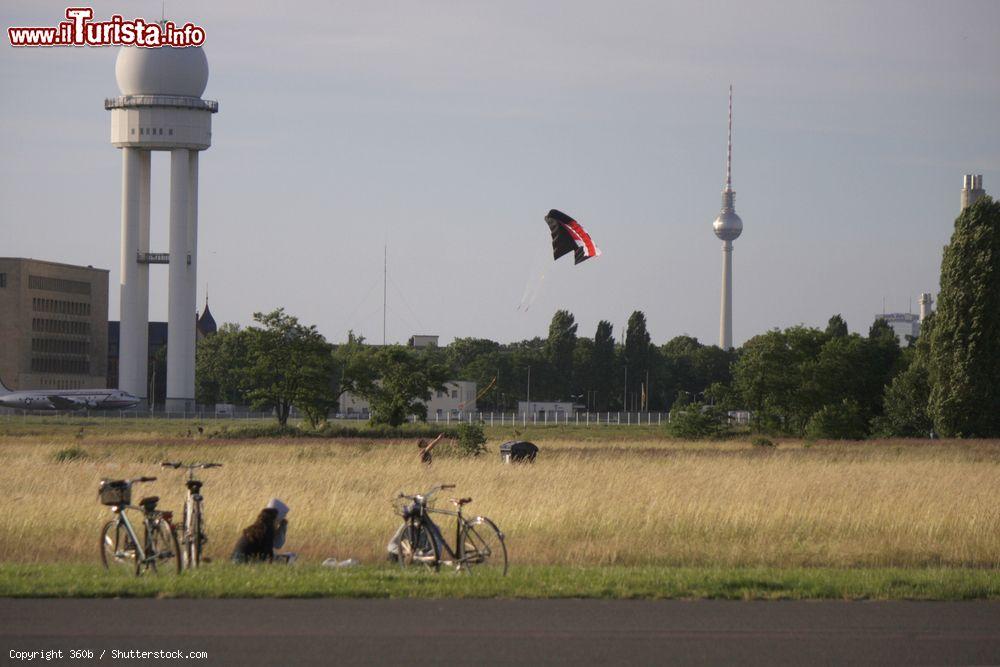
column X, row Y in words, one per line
column 417, row 547
column 163, row 552
column 118, row 551
column 482, row 547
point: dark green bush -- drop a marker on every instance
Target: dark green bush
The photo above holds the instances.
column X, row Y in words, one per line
column 696, row 421
column 762, row 442
column 838, row 421
column 471, row 439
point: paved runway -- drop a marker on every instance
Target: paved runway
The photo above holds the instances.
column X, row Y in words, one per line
column 508, row 631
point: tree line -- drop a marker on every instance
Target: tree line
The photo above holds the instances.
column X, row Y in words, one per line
column 798, row 381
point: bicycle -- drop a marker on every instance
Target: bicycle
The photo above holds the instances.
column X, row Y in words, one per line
column 121, row 546
column 479, row 544
column 193, row 536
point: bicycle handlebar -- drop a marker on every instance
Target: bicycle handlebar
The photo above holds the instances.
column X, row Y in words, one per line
column 439, row 487
column 190, row 466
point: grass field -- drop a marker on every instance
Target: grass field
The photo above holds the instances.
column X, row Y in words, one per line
column 605, row 497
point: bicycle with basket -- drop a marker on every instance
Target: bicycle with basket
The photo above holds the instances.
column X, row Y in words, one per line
column 121, row 546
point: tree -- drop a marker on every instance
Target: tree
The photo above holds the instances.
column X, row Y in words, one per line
column 603, row 365
column 221, row 362
column 559, row 347
column 289, row 364
column 401, row 384
column 964, row 369
column 838, row 421
column 836, row 327
column 906, row 398
column 636, row 356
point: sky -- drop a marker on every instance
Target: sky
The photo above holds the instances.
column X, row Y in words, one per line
column 441, row 133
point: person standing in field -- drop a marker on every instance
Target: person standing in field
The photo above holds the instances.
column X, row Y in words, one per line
column 425, row 449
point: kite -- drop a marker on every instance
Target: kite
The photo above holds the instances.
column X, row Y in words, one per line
column 568, row 235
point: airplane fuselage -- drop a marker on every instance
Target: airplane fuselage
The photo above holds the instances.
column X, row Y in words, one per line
column 69, row 399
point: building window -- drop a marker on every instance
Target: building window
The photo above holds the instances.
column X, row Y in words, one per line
column 170, row 132
column 454, row 393
column 3, row 280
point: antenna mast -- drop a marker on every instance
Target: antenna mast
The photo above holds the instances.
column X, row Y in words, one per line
column 385, row 277
column 729, row 146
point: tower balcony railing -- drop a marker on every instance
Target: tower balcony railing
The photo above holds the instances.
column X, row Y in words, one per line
column 178, row 101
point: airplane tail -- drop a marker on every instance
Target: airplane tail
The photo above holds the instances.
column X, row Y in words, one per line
column 4, row 389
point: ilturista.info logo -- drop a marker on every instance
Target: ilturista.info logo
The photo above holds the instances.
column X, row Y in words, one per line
column 81, row 30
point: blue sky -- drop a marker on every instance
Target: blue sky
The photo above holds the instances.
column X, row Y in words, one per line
column 448, row 130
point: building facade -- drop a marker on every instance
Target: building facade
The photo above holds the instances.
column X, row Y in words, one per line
column 903, row 324
column 457, row 398
column 53, row 325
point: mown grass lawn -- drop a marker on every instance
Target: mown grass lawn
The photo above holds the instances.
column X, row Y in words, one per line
column 649, row 582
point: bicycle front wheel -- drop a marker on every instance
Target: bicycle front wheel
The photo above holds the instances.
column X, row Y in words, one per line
column 483, row 547
column 118, row 550
column 162, row 552
column 417, row 547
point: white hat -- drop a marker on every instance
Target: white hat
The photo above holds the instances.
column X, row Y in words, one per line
column 282, row 508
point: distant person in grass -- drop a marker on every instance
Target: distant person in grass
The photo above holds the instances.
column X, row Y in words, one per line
column 260, row 539
column 425, row 449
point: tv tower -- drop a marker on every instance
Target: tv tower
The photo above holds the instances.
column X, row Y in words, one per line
column 728, row 227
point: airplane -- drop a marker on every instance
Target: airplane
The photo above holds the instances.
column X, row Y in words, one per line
column 66, row 399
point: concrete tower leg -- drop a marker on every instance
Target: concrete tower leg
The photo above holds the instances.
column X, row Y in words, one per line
column 134, row 293
column 726, row 321
column 192, row 269
column 181, row 298
column 145, row 175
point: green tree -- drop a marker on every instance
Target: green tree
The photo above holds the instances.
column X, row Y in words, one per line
column 559, row 347
column 838, row 421
column 289, row 364
column 401, row 384
column 964, row 370
column 636, row 356
column 836, row 327
column 221, row 363
column 603, row 366
column 907, row 396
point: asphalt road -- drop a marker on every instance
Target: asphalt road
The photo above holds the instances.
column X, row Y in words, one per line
column 507, row 631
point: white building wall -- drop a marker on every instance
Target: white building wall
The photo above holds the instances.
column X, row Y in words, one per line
column 457, row 398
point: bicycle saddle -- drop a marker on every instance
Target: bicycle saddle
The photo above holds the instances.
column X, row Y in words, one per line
column 149, row 504
column 458, row 502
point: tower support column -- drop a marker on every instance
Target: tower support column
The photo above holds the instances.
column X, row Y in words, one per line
column 726, row 321
column 181, row 295
column 134, row 288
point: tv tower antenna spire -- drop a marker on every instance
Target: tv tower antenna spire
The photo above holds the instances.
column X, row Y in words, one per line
column 729, row 146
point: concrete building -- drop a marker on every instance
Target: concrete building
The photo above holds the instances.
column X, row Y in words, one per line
column 728, row 227
column 903, row 324
column 53, row 325
column 545, row 410
column 972, row 190
column 421, row 340
column 457, row 398
column 160, row 108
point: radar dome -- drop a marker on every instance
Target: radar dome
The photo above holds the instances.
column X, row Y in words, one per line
column 162, row 71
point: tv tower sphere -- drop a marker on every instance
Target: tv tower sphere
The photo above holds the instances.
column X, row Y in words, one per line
column 160, row 109
column 728, row 227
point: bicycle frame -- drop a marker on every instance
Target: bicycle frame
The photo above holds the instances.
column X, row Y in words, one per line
column 149, row 521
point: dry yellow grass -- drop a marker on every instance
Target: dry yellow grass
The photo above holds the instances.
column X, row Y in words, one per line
column 890, row 503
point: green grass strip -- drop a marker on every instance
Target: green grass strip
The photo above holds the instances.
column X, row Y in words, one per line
column 275, row 581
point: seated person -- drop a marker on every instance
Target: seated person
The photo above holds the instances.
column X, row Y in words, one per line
column 263, row 536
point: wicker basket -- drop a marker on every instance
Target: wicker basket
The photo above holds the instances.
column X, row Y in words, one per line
column 115, row 492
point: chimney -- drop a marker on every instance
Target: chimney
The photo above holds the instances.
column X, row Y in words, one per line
column 926, row 305
column 972, row 190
